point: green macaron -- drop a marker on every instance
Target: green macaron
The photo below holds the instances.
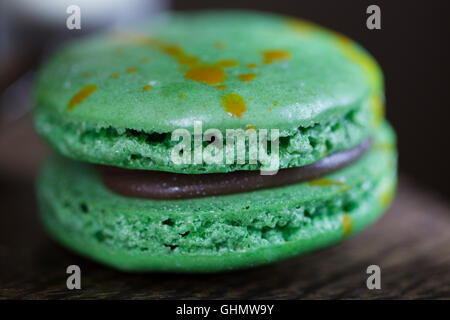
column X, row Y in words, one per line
column 115, row 99
column 214, row 233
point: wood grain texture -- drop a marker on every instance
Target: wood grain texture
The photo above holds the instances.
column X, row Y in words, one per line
column 410, row 244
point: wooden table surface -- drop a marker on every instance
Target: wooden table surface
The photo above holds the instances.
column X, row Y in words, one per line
column 411, row 244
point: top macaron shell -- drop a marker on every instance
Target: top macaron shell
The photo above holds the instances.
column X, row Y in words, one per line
column 229, row 70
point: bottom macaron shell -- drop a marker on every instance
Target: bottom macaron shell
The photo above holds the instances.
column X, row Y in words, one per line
column 215, row 233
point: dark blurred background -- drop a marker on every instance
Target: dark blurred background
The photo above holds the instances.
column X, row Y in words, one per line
column 412, row 48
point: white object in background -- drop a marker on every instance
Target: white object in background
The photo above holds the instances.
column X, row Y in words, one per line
column 52, row 13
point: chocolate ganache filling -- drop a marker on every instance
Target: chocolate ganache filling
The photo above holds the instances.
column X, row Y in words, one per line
column 169, row 186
